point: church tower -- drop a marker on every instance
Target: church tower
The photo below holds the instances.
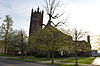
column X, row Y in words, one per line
column 36, row 21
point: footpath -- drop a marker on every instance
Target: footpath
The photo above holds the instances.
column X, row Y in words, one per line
column 96, row 62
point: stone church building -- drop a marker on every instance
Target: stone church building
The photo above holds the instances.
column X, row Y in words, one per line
column 36, row 23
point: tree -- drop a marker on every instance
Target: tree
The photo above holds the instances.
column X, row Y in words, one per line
column 51, row 8
column 1, row 46
column 49, row 39
column 22, row 37
column 18, row 39
column 6, row 30
column 76, row 46
column 49, row 33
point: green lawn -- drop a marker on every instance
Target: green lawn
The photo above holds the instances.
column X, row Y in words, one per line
column 35, row 58
column 85, row 60
column 60, row 64
column 8, row 55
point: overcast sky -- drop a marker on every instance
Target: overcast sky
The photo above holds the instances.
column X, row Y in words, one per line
column 84, row 14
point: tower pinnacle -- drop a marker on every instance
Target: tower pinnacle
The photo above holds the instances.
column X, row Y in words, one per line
column 32, row 10
column 38, row 9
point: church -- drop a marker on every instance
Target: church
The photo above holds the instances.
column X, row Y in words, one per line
column 36, row 24
column 36, row 21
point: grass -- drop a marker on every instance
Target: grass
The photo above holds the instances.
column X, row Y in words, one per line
column 8, row 55
column 60, row 64
column 35, row 58
column 40, row 58
column 85, row 60
column 25, row 57
column 55, row 64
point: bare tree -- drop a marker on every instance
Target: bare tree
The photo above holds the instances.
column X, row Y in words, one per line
column 51, row 9
column 75, row 46
column 77, row 35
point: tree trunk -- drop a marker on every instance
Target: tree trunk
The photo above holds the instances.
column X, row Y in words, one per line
column 76, row 58
column 22, row 55
column 52, row 57
column 5, row 49
column 48, row 54
column 22, row 51
column 22, row 47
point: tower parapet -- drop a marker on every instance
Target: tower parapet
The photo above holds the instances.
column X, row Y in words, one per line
column 36, row 21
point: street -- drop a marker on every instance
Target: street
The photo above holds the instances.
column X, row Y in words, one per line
column 4, row 62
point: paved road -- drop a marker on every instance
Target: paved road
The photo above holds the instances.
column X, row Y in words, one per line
column 4, row 62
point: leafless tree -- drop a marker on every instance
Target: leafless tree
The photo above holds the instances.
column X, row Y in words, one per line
column 77, row 35
column 51, row 9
